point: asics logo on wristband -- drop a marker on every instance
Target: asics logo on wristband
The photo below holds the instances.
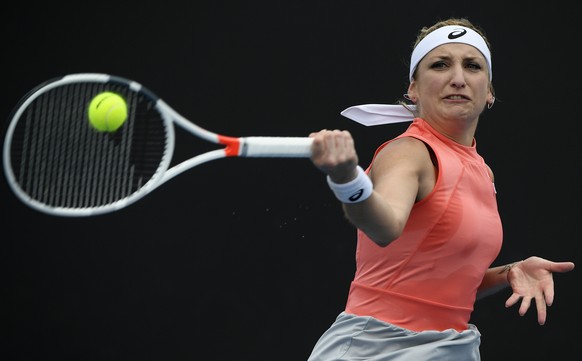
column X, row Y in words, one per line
column 354, row 197
column 354, row 191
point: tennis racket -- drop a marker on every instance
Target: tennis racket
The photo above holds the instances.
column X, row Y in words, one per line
column 56, row 163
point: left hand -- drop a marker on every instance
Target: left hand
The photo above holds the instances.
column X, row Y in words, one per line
column 531, row 279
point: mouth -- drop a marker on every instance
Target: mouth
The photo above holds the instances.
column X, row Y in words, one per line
column 457, row 97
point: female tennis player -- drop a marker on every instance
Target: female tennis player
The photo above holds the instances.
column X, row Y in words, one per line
column 426, row 213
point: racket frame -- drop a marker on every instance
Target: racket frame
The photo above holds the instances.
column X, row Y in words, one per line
column 261, row 146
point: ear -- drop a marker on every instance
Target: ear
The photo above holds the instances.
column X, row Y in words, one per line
column 412, row 92
column 490, row 98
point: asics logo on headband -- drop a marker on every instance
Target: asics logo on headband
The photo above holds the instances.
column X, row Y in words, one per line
column 457, row 34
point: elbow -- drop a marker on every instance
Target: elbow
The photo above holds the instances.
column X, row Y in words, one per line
column 382, row 242
column 382, row 234
column 381, row 225
column 383, row 239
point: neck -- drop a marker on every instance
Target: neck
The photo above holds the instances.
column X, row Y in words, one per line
column 461, row 131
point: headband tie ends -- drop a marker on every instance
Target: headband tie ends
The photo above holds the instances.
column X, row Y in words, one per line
column 378, row 114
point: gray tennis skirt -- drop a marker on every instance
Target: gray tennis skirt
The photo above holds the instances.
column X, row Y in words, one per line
column 364, row 338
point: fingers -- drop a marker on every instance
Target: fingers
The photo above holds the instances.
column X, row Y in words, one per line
column 542, row 309
column 332, row 147
column 512, row 300
column 334, row 153
column 332, row 139
column 561, row 267
column 549, row 296
column 541, row 305
column 525, row 304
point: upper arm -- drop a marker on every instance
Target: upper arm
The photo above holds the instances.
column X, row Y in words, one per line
column 403, row 173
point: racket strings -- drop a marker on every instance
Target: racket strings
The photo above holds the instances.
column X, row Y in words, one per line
column 59, row 160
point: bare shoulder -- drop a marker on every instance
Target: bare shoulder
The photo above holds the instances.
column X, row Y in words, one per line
column 408, row 164
column 404, row 148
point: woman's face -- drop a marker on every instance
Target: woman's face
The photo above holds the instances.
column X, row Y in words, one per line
column 451, row 82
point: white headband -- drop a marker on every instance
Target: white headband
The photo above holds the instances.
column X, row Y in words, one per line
column 378, row 114
column 449, row 34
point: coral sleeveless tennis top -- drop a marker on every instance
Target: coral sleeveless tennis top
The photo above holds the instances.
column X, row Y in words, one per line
column 427, row 279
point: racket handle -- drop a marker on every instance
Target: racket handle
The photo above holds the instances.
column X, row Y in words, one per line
column 285, row 147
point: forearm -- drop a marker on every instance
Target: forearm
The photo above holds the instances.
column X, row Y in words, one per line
column 376, row 218
column 366, row 209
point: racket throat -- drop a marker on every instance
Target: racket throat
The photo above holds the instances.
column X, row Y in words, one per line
column 232, row 145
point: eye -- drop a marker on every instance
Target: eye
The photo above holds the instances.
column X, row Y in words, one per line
column 438, row 65
column 474, row 66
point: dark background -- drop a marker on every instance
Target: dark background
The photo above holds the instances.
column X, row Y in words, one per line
column 251, row 259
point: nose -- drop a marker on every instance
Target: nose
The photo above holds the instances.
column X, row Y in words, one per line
column 458, row 77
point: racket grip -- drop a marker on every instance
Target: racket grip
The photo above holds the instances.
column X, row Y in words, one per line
column 284, row 147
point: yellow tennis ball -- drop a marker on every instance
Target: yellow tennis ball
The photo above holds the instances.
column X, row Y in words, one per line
column 107, row 112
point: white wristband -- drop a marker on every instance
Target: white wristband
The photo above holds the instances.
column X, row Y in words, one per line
column 354, row 191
